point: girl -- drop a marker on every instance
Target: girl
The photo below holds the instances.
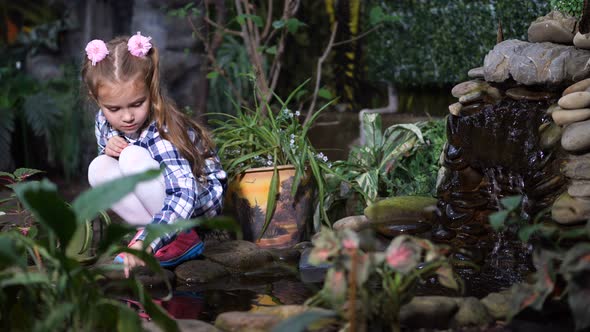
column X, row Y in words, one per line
column 137, row 128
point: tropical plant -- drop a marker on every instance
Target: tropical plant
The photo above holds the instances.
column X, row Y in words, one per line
column 373, row 286
column 561, row 259
column 402, row 160
column 57, row 293
column 251, row 139
column 11, row 206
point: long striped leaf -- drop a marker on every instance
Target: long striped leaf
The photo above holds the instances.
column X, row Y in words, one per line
column 271, row 202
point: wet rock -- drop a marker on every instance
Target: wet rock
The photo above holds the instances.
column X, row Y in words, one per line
column 401, row 209
column 246, row 321
column 554, row 27
column 473, row 229
column 553, row 108
column 286, row 256
column 568, row 210
column 476, row 73
column 453, row 152
column 521, row 93
column 394, row 230
column 535, row 63
column 443, row 174
column 310, row 273
column 577, row 167
column 548, row 185
column 455, row 109
column 550, row 136
column 579, row 188
column 471, row 109
column 238, row 256
column 184, row 325
column 576, row 136
column 575, row 100
column 288, row 311
column 443, row 234
column 468, row 87
column 303, row 245
column 471, row 97
column 498, row 305
column 200, row 271
column 469, row 178
column 471, row 313
column 582, row 41
column 355, row 223
column 577, row 87
column 565, row 117
column 433, row 312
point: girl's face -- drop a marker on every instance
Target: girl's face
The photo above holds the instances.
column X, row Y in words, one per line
column 125, row 105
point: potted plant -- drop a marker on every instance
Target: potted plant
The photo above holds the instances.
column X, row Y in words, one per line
column 273, row 171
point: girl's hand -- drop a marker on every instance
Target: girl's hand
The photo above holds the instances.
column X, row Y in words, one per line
column 131, row 261
column 115, row 145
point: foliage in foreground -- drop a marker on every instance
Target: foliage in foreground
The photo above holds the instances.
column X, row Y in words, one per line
column 562, row 267
column 373, row 286
column 57, row 292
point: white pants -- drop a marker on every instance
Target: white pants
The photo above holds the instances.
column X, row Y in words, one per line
column 139, row 206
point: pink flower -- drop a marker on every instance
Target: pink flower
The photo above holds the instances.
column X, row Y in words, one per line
column 402, row 254
column 96, row 50
column 350, row 244
column 139, row 45
column 397, row 257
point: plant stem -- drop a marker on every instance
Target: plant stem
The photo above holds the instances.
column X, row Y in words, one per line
column 319, row 73
column 352, row 294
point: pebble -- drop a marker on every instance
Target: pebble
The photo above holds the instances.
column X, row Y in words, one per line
column 577, row 87
column 582, row 41
column 565, row 117
column 575, row 100
column 576, row 136
column 467, row 87
column 476, row 73
column 471, row 97
column 455, row 109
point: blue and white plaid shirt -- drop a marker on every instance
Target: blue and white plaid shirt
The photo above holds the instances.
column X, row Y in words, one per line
column 185, row 196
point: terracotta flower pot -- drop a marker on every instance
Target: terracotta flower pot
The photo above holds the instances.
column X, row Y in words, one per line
column 248, row 196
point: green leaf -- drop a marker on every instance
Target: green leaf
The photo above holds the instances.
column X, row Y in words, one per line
column 8, row 254
column 101, row 197
column 254, row 18
column 497, row 219
column 446, row 277
column 325, row 93
column 212, row 75
column 271, row 50
column 114, row 233
column 376, row 15
column 526, row 231
column 511, row 202
column 7, row 175
column 128, row 320
column 25, row 279
column 368, row 184
column 23, row 173
column 301, row 322
column 272, row 200
column 58, row 316
column 49, row 208
column 278, row 24
column 372, row 130
column 294, row 24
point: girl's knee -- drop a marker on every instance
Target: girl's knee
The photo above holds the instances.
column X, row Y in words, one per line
column 135, row 159
column 101, row 169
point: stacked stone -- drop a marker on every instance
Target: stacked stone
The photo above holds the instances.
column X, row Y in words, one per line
column 519, row 70
column 573, row 114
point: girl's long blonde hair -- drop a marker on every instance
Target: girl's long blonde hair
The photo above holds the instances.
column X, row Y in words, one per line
column 121, row 66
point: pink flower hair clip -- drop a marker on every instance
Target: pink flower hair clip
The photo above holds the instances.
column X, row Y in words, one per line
column 96, row 50
column 139, row 45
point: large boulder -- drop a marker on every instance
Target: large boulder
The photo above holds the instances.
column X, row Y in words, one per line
column 536, row 63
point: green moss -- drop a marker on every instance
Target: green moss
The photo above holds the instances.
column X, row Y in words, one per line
column 400, row 208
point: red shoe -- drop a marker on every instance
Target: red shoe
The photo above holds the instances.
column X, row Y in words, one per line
column 186, row 246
